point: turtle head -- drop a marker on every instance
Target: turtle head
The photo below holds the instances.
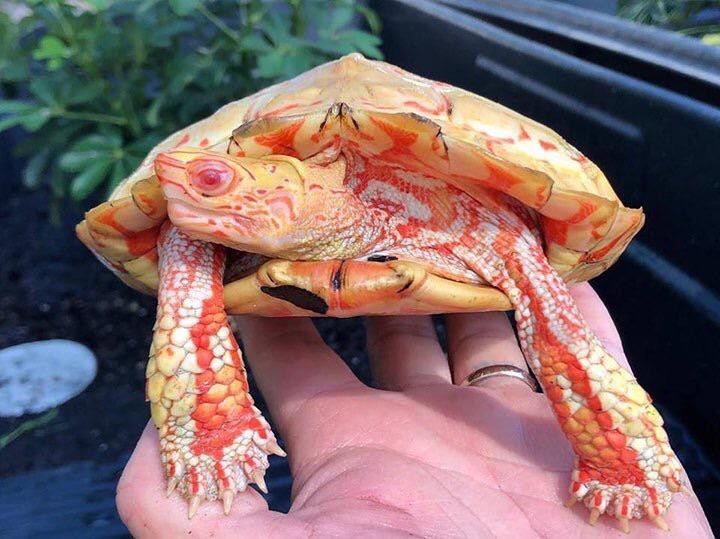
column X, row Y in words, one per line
column 244, row 203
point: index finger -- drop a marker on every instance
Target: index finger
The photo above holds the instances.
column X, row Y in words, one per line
column 291, row 364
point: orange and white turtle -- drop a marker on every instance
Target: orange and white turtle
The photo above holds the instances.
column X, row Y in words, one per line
column 359, row 188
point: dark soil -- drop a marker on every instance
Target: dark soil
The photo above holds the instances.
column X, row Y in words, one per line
column 52, row 287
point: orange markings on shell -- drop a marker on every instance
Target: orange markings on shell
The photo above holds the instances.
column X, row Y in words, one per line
column 439, row 109
column 282, row 141
column 184, row 140
column 547, row 146
column 138, row 242
column 290, row 106
column 402, row 139
column 500, row 179
column 555, row 231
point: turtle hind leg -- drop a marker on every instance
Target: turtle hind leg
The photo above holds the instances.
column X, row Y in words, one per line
column 213, row 440
column 625, row 465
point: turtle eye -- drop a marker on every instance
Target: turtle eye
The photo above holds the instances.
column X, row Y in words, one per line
column 211, row 178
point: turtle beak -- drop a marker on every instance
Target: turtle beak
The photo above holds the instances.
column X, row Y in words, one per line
column 171, row 173
column 168, row 167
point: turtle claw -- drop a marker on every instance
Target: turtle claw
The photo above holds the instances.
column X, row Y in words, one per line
column 258, row 477
column 660, row 523
column 227, row 498
column 171, row 486
column 193, row 506
column 624, row 502
column 273, row 447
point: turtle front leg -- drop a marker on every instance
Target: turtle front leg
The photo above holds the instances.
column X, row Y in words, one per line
column 213, row 440
column 625, row 466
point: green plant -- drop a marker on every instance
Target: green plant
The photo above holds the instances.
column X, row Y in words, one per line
column 673, row 14
column 97, row 83
column 28, row 426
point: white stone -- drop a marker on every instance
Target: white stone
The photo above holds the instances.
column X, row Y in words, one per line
column 39, row 375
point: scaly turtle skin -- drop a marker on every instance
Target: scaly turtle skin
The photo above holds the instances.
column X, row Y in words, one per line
column 359, row 188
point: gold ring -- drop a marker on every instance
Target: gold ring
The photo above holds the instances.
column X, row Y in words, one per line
column 477, row 377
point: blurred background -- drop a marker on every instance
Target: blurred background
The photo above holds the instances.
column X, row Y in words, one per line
column 88, row 87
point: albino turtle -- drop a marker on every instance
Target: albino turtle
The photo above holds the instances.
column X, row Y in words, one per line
column 360, row 188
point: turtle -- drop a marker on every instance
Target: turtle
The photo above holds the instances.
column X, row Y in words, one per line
column 359, row 188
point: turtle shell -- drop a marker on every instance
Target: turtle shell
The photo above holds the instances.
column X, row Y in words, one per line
column 397, row 117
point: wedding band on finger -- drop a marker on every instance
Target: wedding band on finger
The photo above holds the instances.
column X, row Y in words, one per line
column 476, row 378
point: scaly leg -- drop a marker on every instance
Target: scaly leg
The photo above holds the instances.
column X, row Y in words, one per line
column 625, row 466
column 213, row 441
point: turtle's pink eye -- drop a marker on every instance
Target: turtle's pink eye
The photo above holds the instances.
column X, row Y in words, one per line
column 210, row 178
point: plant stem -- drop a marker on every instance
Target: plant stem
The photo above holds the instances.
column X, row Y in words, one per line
column 297, row 24
column 224, row 28
column 92, row 117
column 27, row 426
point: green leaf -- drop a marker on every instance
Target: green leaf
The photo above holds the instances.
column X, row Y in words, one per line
column 270, row 65
column 151, row 116
column 143, row 145
column 8, row 106
column 98, row 5
column 35, row 120
column 99, row 142
column 58, row 182
column 184, row 7
column 33, row 173
column 75, row 161
column 51, row 48
column 371, row 17
column 14, row 70
column 362, row 42
column 85, row 93
column 89, row 149
column 7, row 123
column 118, row 174
column 44, row 90
column 340, row 18
column 89, row 179
column 255, row 43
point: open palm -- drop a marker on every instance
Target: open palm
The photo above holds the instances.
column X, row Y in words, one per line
column 419, row 457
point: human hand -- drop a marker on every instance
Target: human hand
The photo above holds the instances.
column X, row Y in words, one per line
column 419, row 457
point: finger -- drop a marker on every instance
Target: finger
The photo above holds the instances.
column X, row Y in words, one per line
column 478, row 340
column 146, row 509
column 598, row 318
column 291, row 363
column 404, row 352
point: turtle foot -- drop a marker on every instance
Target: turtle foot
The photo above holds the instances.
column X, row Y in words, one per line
column 625, row 502
column 205, row 470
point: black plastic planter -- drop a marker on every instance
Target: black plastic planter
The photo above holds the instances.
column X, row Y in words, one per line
column 643, row 104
